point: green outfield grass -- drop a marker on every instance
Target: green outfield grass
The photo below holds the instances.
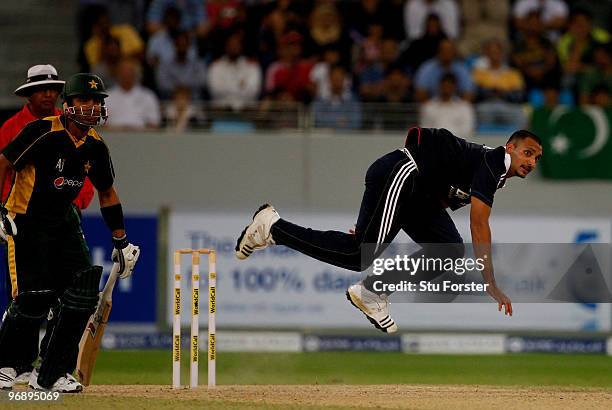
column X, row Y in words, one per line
column 154, row 367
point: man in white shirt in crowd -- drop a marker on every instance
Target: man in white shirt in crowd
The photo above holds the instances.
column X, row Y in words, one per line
column 554, row 14
column 233, row 80
column 131, row 106
column 416, row 12
column 449, row 111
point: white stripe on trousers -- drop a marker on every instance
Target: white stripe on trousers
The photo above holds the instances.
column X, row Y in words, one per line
column 390, row 194
column 395, row 199
column 391, row 200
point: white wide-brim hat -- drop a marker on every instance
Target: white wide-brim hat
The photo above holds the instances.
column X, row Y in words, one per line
column 42, row 74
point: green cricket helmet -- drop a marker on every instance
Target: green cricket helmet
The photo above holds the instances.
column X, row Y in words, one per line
column 85, row 85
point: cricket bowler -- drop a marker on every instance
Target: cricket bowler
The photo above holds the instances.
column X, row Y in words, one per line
column 410, row 189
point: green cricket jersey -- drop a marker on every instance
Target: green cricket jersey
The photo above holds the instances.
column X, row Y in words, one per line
column 51, row 166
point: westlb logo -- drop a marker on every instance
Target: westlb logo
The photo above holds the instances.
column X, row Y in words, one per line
column 60, row 182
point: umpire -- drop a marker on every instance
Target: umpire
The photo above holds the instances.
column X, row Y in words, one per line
column 49, row 261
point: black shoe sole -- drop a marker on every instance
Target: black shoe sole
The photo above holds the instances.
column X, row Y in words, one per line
column 374, row 322
column 237, row 248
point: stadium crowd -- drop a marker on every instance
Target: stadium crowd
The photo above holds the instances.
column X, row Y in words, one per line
column 462, row 63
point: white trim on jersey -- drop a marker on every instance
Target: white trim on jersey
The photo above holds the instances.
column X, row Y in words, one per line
column 502, row 178
column 407, row 152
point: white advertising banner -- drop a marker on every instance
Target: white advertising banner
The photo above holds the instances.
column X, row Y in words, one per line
column 541, row 229
column 282, row 289
column 454, row 343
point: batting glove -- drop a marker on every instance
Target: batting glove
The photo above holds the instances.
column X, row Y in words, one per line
column 7, row 225
column 126, row 255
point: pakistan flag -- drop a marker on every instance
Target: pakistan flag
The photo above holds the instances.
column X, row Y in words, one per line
column 577, row 142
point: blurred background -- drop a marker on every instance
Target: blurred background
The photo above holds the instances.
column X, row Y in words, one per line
column 217, row 106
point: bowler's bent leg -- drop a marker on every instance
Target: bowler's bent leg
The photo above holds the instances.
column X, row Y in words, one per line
column 388, row 184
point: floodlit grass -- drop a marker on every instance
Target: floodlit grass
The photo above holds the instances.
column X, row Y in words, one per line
column 154, row 367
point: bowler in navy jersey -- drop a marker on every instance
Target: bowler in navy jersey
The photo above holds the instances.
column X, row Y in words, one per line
column 410, row 189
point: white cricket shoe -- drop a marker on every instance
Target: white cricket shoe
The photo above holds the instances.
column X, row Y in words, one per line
column 375, row 307
column 65, row 384
column 7, row 378
column 33, row 380
column 257, row 234
column 23, row 378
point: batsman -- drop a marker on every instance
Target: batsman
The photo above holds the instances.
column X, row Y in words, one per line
column 49, row 262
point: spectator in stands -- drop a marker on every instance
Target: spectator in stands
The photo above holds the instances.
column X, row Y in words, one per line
column 377, row 54
column 370, row 73
column 131, row 106
column 599, row 73
column 107, row 66
column 281, row 20
column 534, row 55
column 396, row 87
column 319, row 76
column 370, row 45
column 576, row 46
column 194, row 20
column 448, row 110
column 396, row 94
column 233, row 80
column 193, row 16
column 600, row 12
column 180, row 113
column 553, row 13
column 288, row 79
column 428, row 77
column 160, row 47
column 130, row 42
column 424, row 47
column 120, row 12
column 359, row 16
column 389, row 51
column 551, row 94
column 184, row 70
column 325, row 29
column 541, row 113
column 483, row 19
column 225, row 16
column 416, row 12
column 499, row 88
column 601, row 97
column 340, row 111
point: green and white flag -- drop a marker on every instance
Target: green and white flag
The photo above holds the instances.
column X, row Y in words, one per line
column 577, row 142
